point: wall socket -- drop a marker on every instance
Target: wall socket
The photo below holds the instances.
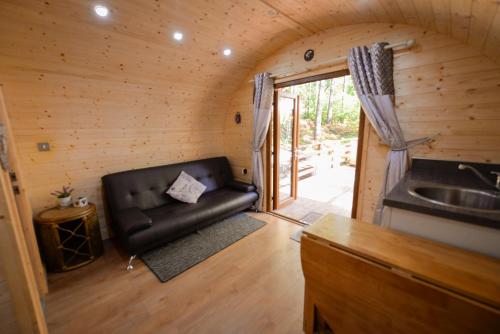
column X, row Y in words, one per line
column 43, row 147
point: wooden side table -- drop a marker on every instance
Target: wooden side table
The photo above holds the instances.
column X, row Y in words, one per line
column 69, row 237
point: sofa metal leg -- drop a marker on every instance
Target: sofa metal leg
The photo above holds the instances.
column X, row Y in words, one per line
column 130, row 266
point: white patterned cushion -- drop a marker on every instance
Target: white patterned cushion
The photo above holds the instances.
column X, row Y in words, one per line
column 186, row 189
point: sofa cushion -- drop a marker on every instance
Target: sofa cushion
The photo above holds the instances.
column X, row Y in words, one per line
column 178, row 219
column 186, row 188
column 132, row 220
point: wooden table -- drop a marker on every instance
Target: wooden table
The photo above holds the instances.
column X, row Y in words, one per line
column 362, row 278
column 69, row 237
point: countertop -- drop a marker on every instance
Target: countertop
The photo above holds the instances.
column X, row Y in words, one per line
column 466, row 273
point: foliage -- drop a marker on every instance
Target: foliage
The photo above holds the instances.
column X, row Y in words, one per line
column 66, row 192
column 338, row 105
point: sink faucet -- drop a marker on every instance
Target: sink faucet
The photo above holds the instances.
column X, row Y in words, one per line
column 481, row 176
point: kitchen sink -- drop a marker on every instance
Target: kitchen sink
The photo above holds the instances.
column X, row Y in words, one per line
column 456, row 197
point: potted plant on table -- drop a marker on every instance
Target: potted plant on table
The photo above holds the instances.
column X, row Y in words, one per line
column 63, row 197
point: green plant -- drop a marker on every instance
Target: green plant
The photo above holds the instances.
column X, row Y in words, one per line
column 339, row 109
column 66, row 192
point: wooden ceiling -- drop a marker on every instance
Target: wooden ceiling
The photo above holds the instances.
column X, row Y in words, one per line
column 476, row 22
column 253, row 29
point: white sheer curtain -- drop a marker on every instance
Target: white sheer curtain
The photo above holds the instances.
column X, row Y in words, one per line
column 262, row 108
column 372, row 73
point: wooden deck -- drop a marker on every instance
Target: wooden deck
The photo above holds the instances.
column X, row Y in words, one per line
column 328, row 191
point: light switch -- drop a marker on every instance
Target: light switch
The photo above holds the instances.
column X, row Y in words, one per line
column 42, row 147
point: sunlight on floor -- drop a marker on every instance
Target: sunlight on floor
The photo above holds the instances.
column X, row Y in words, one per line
column 330, row 190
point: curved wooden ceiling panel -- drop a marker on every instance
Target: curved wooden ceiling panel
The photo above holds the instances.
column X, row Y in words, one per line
column 476, row 22
column 254, row 29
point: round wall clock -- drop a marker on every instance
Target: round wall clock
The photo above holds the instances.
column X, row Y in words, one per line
column 309, row 55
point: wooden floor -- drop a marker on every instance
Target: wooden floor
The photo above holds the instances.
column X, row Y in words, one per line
column 254, row 286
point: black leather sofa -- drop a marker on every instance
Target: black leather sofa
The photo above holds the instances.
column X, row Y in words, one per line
column 143, row 216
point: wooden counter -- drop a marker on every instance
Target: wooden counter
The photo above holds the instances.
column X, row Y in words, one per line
column 364, row 278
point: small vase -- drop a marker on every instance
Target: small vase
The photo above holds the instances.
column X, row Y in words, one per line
column 64, row 202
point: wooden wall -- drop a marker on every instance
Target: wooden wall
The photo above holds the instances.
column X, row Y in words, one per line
column 118, row 93
column 110, row 95
column 8, row 323
column 442, row 86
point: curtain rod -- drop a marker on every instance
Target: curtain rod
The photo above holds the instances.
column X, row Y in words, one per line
column 404, row 44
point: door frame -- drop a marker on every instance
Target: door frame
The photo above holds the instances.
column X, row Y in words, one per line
column 276, row 202
column 271, row 142
column 21, row 263
column 359, row 163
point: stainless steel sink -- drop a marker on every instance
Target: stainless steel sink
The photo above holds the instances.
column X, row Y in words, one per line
column 456, row 197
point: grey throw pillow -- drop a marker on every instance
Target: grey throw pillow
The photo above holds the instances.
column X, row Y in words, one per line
column 186, row 189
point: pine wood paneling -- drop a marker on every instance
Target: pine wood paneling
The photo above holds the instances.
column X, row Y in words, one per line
column 492, row 44
column 409, row 12
column 7, row 314
column 442, row 14
column 482, row 15
column 461, row 18
column 442, row 86
column 425, row 13
column 21, row 269
column 473, row 21
column 118, row 93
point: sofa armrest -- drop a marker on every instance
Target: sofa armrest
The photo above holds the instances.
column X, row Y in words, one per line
column 132, row 220
column 242, row 186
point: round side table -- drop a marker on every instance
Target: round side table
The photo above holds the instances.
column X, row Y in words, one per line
column 69, row 237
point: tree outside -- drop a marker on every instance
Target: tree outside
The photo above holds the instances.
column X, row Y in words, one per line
column 329, row 110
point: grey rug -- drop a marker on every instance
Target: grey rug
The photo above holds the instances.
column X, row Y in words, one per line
column 311, row 217
column 178, row 256
column 308, row 219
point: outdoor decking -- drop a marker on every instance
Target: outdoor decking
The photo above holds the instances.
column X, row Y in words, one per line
column 330, row 190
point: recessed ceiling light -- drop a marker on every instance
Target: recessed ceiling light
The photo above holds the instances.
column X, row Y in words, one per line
column 178, row 36
column 227, row 52
column 102, row 11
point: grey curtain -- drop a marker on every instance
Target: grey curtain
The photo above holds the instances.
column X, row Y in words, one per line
column 262, row 108
column 372, row 74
